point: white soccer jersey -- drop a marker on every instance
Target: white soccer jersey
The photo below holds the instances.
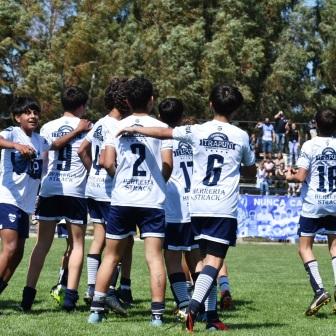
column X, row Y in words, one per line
column 218, row 149
column 318, row 157
column 178, row 186
column 138, row 180
column 99, row 183
column 66, row 174
column 19, row 177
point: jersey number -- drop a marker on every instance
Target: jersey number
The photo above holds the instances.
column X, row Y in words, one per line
column 64, row 155
column 330, row 173
column 95, row 161
column 140, row 150
column 183, row 166
column 213, row 173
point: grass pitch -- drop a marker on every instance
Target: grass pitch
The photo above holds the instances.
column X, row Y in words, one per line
column 269, row 286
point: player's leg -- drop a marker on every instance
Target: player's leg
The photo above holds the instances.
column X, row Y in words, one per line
column 45, row 237
column 225, row 301
column 330, row 224
column 307, row 229
column 75, row 264
column 124, row 291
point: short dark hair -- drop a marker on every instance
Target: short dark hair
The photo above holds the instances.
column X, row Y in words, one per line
column 225, row 99
column 139, row 92
column 171, row 111
column 115, row 95
column 326, row 121
column 23, row 104
column 73, row 97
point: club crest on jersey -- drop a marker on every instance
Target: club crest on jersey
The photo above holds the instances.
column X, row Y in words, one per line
column 217, row 141
column 98, row 133
column 11, row 217
column 63, row 130
column 328, row 154
column 184, row 149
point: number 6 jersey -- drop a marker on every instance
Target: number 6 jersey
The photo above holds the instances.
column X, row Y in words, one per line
column 318, row 157
column 218, row 150
column 138, row 181
column 66, row 175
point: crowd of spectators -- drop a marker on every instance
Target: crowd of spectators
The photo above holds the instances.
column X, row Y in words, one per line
column 277, row 146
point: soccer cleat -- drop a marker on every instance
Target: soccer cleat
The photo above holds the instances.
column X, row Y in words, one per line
column 28, row 297
column 114, row 304
column 70, row 300
column 225, row 301
column 125, row 296
column 88, row 298
column 190, row 321
column 216, row 325
column 319, row 300
column 156, row 320
column 181, row 314
column 57, row 293
column 96, row 317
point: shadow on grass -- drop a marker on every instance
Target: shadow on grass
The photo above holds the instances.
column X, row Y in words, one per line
column 234, row 326
column 11, row 304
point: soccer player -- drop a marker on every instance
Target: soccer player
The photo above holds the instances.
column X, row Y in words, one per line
column 20, row 174
column 61, row 197
column 138, row 193
column 317, row 169
column 219, row 148
column 99, row 185
column 179, row 237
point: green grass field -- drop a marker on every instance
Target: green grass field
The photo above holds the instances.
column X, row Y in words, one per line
column 269, row 286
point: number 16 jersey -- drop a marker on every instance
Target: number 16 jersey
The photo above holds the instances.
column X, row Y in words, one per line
column 66, row 174
column 218, row 150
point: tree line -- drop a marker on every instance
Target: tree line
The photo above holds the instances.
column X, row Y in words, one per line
column 280, row 53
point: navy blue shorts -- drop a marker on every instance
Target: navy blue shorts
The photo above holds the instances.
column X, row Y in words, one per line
column 179, row 237
column 72, row 209
column 13, row 218
column 62, row 231
column 218, row 229
column 123, row 220
column 98, row 210
column 309, row 227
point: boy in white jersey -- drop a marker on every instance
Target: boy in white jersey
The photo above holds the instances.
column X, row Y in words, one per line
column 62, row 196
column 317, row 171
column 179, row 237
column 20, row 174
column 99, row 187
column 219, row 148
column 138, row 194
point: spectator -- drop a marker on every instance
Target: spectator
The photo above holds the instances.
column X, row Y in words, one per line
column 262, row 179
column 293, row 138
column 280, row 131
column 280, row 178
column 279, row 160
column 267, row 137
column 312, row 128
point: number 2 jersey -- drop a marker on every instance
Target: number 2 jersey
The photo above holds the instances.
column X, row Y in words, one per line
column 218, row 150
column 138, row 181
column 318, row 157
column 99, row 183
column 178, row 185
column 19, row 177
column 66, row 174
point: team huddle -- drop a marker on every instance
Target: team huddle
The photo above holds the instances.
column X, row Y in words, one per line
column 174, row 180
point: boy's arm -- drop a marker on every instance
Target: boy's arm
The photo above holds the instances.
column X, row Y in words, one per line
column 167, row 163
column 154, row 132
column 83, row 126
column 299, row 175
column 84, row 152
column 110, row 160
column 27, row 151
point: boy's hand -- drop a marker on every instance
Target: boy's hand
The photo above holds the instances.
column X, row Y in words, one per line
column 84, row 125
column 27, row 151
column 126, row 130
column 290, row 173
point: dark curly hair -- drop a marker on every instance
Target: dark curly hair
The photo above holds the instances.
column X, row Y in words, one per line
column 115, row 95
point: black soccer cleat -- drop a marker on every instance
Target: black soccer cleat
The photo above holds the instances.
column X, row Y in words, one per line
column 320, row 299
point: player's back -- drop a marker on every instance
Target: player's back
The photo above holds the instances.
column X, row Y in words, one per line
column 66, row 173
column 318, row 156
column 99, row 183
column 218, row 148
column 138, row 180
